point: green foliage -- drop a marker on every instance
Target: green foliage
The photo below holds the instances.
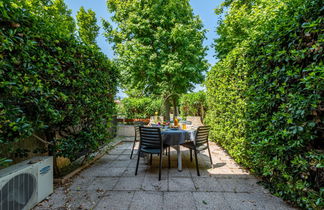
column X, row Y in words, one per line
column 50, row 82
column 159, row 45
column 143, row 107
column 265, row 94
column 193, row 104
column 88, row 28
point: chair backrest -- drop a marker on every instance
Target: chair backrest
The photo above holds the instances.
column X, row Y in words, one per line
column 150, row 137
column 202, row 135
column 137, row 133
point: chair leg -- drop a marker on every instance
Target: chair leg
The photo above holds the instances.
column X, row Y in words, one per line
column 151, row 159
column 197, row 167
column 169, row 158
column 160, row 168
column 210, row 157
column 190, row 155
column 138, row 158
column 132, row 149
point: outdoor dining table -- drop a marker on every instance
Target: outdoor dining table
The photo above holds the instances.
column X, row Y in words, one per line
column 176, row 137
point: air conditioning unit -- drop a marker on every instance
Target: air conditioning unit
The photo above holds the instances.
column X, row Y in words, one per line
column 25, row 184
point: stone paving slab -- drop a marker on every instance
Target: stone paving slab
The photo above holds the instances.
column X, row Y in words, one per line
column 110, row 183
column 210, row 200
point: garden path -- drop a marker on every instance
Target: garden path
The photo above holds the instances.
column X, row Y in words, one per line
column 110, row 183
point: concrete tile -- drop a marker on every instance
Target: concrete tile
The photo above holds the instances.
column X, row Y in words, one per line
column 103, row 183
column 124, row 157
column 119, row 163
column 207, row 184
column 154, row 172
column 152, row 183
column 178, row 201
column 117, row 200
column 111, row 172
column 124, row 146
column 173, row 172
column 211, row 200
column 129, row 151
column 165, row 163
column 255, row 201
column 131, row 172
column 130, row 183
column 142, row 163
column 116, row 151
column 223, row 171
column 81, row 183
column 241, row 185
column 108, row 157
column 181, row 184
column 203, row 172
column 83, row 199
column 104, row 171
column 238, row 171
column 147, row 201
column 55, row 201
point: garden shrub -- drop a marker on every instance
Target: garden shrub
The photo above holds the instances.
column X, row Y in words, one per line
column 140, row 107
column 50, row 82
column 266, row 94
column 193, row 104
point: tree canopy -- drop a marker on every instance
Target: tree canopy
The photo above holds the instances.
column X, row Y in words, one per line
column 159, row 45
column 88, row 28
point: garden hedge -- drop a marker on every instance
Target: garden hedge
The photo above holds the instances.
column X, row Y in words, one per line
column 140, row 107
column 51, row 82
column 266, row 94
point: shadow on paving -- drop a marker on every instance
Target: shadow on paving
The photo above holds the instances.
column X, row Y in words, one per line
column 110, row 183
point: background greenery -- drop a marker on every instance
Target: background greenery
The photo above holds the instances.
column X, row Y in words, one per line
column 193, row 104
column 50, row 81
column 265, row 94
column 140, row 107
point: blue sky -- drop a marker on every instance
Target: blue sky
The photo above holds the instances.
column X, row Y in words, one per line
column 203, row 8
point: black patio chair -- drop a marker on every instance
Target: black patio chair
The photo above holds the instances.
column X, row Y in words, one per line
column 200, row 143
column 151, row 143
column 136, row 139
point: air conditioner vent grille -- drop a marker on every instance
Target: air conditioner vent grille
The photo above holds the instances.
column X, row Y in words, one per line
column 16, row 193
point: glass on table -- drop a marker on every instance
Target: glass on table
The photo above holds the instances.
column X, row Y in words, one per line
column 184, row 126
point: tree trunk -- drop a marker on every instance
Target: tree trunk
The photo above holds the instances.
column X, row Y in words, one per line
column 175, row 110
column 51, row 151
column 202, row 112
column 167, row 110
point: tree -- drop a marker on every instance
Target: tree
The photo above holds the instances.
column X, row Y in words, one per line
column 88, row 28
column 159, row 46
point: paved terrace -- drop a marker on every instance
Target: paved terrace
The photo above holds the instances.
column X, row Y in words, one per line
column 110, row 183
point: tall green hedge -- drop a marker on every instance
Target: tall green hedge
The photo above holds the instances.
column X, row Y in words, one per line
column 266, row 94
column 140, row 107
column 50, row 82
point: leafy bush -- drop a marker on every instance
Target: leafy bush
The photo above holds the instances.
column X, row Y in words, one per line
column 143, row 107
column 50, row 82
column 193, row 104
column 265, row 94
